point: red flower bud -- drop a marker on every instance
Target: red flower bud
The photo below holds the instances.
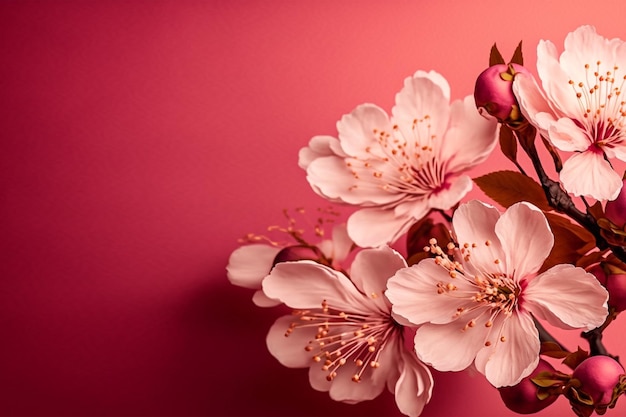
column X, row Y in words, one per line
column 614, row 280
column 493, row 92
column 598, row 376
column 298, row 253
column 615, row 210
column 522, row 398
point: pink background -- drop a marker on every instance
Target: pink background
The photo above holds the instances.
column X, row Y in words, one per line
column 140, row 140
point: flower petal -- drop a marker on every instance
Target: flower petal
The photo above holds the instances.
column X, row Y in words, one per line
column 372, row 227
column 370, row 271
column 589, row 174
column 358, row 130
column 526, row 239
column 330, row 177
column 470, row 138
column 533, row 102
column 517, row 356
column 567, row 297
column 413, row 294
column 423, row 96
column 414, row 387
column 343, row 388
column 249, row 264
column 289, row 350
column 447, row 347
column 474, row 223
column 567, row 136
column 447, row 198
column 305, row 284
column 555, row 81
column 319, row 146
column 261, row 300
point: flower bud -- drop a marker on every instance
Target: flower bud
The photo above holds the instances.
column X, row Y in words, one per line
column 614, row 280
column 598, row 375
column 522, row 398
column 615, row 210
column 298, row 253
column 493, row 92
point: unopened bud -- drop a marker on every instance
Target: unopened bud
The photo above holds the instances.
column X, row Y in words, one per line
column 522, row 398
column 298, row 253
column 614, row 280
column 598, row 375
column 493, row 92
column 615, row 210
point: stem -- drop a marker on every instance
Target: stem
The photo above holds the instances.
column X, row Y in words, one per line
column 557, row 197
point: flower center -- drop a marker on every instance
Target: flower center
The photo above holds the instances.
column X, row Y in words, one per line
column 602, row 109
column 404, row 162
column 482, row 293
column 344, row 338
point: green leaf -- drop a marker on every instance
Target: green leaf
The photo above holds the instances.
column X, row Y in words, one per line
column 495, row 57
column 509, row 187
column 517, row 55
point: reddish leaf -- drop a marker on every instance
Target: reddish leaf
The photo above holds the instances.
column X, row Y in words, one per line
column 510, row 187
column 575, row 358
column 570, row 242
column 495, row 57
column 517, row 55
column 508, row 143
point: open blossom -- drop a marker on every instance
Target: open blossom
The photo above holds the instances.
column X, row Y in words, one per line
column 397, row 169
column 342, row 328
column 580, row 108
column 479, row 307
column 249, row 264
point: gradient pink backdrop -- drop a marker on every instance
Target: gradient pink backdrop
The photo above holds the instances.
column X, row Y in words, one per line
column 141, row 139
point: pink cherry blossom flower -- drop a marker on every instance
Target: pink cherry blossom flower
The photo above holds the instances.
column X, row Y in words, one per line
column 580, row 108
column 343, row 330
column 249, row 264
column 397, row 169
column 479, row 307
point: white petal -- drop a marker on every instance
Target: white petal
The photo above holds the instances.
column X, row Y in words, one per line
column 413, row 294
column 470, row 138
column 342, row 244
column 305, row 284
column 343, row 388
column 330, row 177
column 567, row 297
column 589, row 174
column 526, row 239
column 447, row 198
column 555, row 81
column 414, row 386
column 422, row 96
column 261, row 300
column 517, row 356
column 358, row 130
column 372, row 227
column 319, row 146
column 447, row 347
column 370, row 271
column 289, row 350
column 474, row 223
column 567, row 136
column 248, row 265
column 532, row 102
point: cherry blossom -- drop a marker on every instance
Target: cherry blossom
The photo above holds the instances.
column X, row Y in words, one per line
column 343, row 330
column 580, row 108
column 479, row 306
column 395, row 170
column 249, row 264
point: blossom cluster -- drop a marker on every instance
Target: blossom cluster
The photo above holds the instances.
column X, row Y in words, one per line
column 475, row 285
